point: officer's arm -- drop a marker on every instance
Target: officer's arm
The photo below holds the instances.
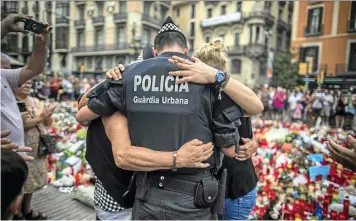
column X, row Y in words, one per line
column 132, row 157
column 226, row 119
column 85, row 115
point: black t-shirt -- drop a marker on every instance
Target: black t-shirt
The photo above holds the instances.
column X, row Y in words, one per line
column 162, row 115
column 100, row 157
column 241, row 178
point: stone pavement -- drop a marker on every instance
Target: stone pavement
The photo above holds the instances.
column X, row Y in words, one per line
column 60, row 206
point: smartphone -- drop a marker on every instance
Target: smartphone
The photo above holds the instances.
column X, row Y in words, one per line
column 22, row 106
column 33, row 26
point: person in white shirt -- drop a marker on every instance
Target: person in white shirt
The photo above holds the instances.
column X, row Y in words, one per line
column 328, row 101
column 293, row 100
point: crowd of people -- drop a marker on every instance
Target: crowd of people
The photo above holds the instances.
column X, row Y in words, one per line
column 319, row 107
column 179, row 156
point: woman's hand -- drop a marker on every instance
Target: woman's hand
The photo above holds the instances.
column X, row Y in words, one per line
column 247, row 150
column 194, row 71
column 193, row 153
column 347, row 157
column 46, row 112
column 116, row 73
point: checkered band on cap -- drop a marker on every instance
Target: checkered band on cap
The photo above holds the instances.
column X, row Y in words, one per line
column 168, row 28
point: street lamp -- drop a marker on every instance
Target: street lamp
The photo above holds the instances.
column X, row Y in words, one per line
column 268, row 34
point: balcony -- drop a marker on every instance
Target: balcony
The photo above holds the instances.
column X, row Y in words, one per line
column 235, row 50
column 62, row 20
column 310, row 31
column 345, row 69
column 290, row 6
column 120, row 17
column 267, row 16
column 79, row 2
column 97, row 48
column 351, row 26
column 99, row 20
column 221, row 20
column 151, row 21
column 61, row 45
column 283, row 25
column 80, row 23
column 166, row 4
column 255, row 50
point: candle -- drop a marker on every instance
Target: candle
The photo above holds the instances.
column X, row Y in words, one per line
column 346, row 207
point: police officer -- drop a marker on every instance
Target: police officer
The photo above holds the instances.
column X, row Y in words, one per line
column 162, row 116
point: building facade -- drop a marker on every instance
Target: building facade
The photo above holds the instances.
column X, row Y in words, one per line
column 326, row 32
column 249, row 29
column 98, row 34
column 108, row 33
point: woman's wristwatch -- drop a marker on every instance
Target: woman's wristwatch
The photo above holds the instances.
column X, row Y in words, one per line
column 221, row 80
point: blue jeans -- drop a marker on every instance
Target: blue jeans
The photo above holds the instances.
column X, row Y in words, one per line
column 240, row 208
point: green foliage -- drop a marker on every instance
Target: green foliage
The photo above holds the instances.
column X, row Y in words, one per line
column 285, row 73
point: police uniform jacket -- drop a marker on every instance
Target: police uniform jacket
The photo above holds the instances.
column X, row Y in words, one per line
column 162, row 115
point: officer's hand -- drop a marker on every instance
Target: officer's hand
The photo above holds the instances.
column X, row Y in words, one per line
column 347, row 157
column 194, row 71
column 115, row 73
column 247, row 150
column 193, row 153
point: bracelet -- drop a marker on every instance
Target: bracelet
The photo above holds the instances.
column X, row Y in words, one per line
column 174, row 161
column 227, row 78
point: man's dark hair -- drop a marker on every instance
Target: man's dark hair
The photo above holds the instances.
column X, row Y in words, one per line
column 169, row 39
column 14, row 172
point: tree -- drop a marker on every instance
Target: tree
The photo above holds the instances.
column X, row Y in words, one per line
column 285, row 73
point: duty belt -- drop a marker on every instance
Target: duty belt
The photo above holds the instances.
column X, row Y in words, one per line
column 171, row 183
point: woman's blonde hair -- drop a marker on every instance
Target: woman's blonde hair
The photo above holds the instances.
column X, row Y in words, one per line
column 213, row 54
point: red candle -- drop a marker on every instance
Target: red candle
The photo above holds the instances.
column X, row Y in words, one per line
column 346, row 207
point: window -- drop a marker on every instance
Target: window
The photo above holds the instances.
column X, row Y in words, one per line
column 236, row 66
column 237, row 38
column 100, row 6
column 61, row 37
column 119, row 60
column 99, row 63
column 290, row 17
column 239, row 6
column 268, row 6
column 191, row 43
column 177, row 12
column 108, row 62
column 257, row 37
column 192, row 29
column 89, row 62
column 62, row 9
column 352, row 25
column 25, row 42
column 280, row 13
column 314, row 20
column 310, row 52
column 120, row 35
column 288, row 41
column 207, row 40
column 81, row 12
column 192, row 12
column 146, row 36
column 122, row 6
column 80, row 38
column 279, row 39
column 11, row 6
column 352, row 57
column 146, row 7
column 250, row 27
column 222, row 37
column 223, row 10
column 99, row 36
column 13, row 40
column 210, row 12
